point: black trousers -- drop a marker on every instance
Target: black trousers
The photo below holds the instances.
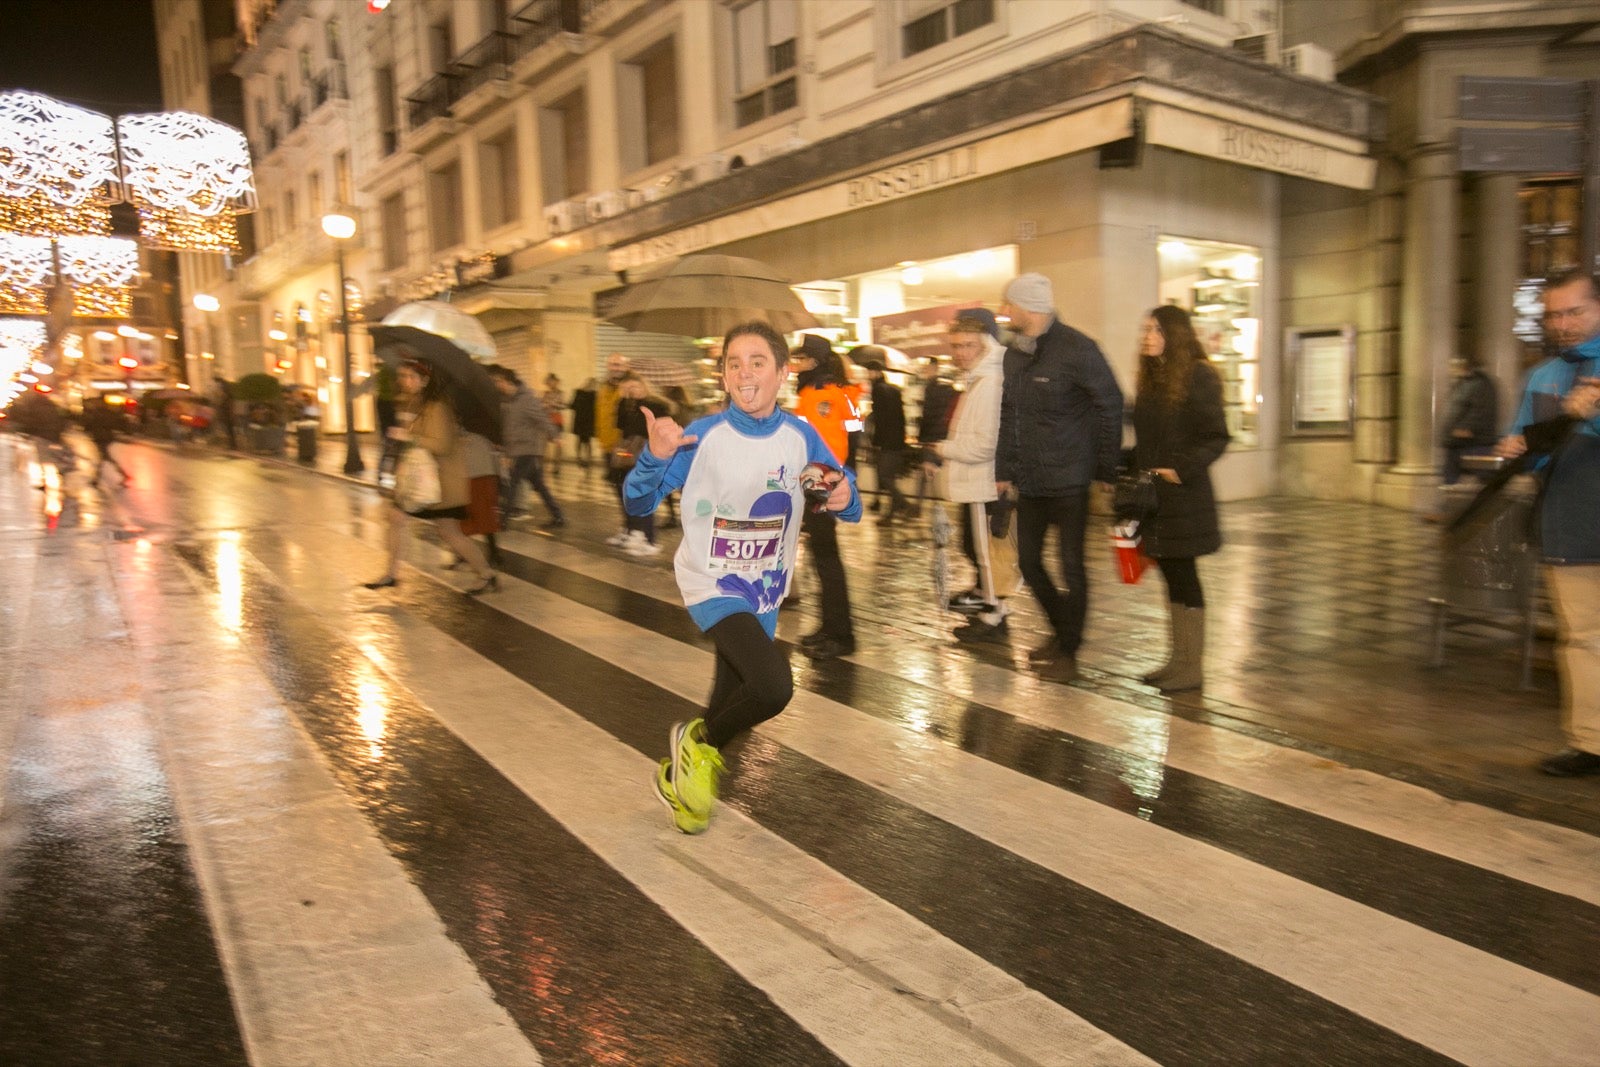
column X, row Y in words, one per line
column 752, row 682
column 888, row 464
column 528, row 469
column 1183, row 581
column 822, row 535
column 1069, row 515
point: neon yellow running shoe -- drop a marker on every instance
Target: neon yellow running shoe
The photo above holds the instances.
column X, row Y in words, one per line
column 696, row 767
column 685, row 820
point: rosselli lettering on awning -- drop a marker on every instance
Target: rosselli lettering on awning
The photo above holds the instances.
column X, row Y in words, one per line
column 950, row 166
column 1310, row 155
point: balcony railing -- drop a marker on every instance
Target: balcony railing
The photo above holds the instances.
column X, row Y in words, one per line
column 483, row 62
column 432, row 99
column 329, row 85
column 535, row 24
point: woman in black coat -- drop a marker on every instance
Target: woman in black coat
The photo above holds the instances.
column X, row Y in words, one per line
column 1180, row 430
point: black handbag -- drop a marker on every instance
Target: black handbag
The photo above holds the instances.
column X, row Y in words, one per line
column 1135, row 498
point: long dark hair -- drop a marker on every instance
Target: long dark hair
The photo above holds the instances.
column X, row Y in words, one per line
column 1165, row 378
column 432, row 384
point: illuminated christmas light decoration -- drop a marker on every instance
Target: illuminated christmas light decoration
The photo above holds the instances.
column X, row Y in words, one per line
column 189, row 176
column 21, row 341
column 183, row 232
column 27, row 270
column 35, row 215
column 102, row 272
column 72, row 346
column 22, row 335
column 58, row 167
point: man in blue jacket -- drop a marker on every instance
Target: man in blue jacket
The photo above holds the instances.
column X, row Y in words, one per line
column 1560, row 419
column 1060, row 430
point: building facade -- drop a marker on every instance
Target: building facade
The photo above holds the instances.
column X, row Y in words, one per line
column 1287, row 169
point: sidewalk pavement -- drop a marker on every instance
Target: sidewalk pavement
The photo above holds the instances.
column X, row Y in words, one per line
column 1319, row 636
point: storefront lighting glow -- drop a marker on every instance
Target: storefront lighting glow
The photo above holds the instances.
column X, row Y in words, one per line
column 101, row 271
column 27, row 269
column 58, row 166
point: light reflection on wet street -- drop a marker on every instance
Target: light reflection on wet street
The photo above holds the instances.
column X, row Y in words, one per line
column 252, row 810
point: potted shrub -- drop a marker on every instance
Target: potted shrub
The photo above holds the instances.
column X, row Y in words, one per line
column 260, row 397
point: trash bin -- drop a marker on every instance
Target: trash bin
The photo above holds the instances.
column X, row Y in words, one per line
column 1489, row 564
column 305, row 436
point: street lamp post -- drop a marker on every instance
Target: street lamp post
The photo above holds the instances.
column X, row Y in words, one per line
column 341, row 228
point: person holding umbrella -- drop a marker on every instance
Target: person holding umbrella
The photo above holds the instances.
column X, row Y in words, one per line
column 428, row 421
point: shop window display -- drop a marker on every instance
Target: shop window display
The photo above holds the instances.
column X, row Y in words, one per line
column 1220, row 286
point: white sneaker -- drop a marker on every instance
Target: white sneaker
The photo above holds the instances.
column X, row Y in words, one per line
column 639, row 545
column 620, row 538
column 997, row 615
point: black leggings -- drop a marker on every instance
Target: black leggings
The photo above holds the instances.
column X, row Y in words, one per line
column 752, row 682
column 1183, row 581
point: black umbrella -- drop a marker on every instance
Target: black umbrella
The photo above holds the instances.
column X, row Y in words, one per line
column 471, row 391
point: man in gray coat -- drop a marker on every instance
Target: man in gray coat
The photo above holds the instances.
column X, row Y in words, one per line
column 1060, row 430
column 524, row 430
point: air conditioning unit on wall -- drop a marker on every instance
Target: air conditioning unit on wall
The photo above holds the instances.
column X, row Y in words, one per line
column 1309, row 61
column 606, row 204
column 1260, row 46
column 565, row 216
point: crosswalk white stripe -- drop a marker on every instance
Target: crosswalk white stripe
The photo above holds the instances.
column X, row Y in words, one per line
column 1459, row 1000
column 331, row 954
column 1538, row 853
column 862, row 976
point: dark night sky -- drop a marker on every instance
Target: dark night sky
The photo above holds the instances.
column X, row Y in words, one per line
column 100, row 54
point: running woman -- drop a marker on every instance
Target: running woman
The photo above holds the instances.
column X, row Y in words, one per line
column 741, row 472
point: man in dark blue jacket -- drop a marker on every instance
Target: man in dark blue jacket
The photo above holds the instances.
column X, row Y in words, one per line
column 1060, row 430
column 1563, row 398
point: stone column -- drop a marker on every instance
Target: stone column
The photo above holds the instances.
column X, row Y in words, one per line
column 1499, row 265
column 1428, row 323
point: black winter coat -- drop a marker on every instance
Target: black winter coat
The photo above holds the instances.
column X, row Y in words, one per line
column 1060, row 416
column 888, row 417
column 938, row 401
column 1188, row 441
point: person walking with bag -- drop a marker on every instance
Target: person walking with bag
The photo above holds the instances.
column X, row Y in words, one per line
column 428, row 424
column 757, row 469
column 1179, row 431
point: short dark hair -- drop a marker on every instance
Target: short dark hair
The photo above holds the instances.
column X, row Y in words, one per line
column 763, row 330
column 503, row 372
column 1563, row 278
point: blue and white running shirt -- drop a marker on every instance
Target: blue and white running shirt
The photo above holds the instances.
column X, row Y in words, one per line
column 740, row 510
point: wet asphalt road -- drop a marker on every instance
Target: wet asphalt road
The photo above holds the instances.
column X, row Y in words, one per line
column 932, row 858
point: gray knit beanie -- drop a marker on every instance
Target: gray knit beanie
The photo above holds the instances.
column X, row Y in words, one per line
column 1031, row 292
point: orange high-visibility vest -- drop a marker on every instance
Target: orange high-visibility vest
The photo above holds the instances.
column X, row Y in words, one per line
column 832, row 413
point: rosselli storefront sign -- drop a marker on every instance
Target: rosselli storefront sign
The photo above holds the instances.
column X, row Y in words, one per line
column 915, row 177
column 1332, row 161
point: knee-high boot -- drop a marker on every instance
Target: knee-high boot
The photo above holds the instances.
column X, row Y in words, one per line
column 1189, row 650
column 1159, row 675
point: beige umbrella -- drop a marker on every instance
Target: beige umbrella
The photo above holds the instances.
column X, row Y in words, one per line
column 706, row 296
